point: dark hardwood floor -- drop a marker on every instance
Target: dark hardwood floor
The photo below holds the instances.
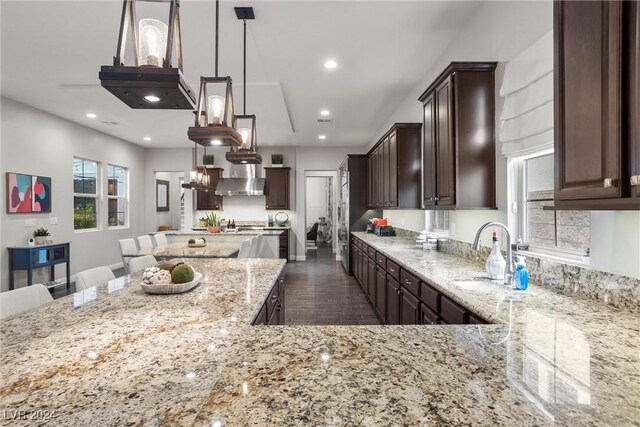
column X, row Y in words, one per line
column 319, row 292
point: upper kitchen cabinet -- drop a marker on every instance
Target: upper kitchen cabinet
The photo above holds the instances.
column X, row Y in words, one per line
column 596, row 105
column 394, row 169
column 207, row 200
column 277, row 188
column 458, row 139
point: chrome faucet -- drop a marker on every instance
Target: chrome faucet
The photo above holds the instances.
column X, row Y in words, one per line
column 509, row 267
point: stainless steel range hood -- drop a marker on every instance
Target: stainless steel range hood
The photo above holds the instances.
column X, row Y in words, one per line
column 243, row 182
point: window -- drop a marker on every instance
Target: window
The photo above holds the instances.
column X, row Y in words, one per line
column 85, row 194
column 117, row 196
column 568, row 232
column 438, row 221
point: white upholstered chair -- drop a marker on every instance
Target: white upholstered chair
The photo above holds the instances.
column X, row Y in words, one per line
column 23, row 299
column 93, row 277
column 144, row 242
column 141, row 262
column 161, row 240
column 245, row 248
column 127, row 247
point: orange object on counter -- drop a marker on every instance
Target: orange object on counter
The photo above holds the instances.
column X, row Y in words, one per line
column 380, row 222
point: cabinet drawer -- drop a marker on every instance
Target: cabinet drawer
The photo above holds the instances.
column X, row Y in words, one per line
column 365, row 248
column 430, row 297
column 410, row 282
column 429, row 317
column 272, row 299
column 452, row 313
column 393, row 269
column 381, row 260
column 372, row 252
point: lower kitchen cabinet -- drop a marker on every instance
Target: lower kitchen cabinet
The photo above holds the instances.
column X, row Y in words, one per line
column 409, row 308
column 399, row 297
column 272, row 311
column 284, row 244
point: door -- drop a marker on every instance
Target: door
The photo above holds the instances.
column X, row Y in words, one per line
column 429, row 152
column 277, row 188
column 392, row 177
column 409, row 308
column 385, row 172
column 445, row 144
column 381, row 296
column 365, row 272
column 371, row 281
column 587, row 100
column 393, row 301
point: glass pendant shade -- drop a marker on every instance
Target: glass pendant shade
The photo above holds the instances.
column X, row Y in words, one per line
column 215, row 109
column 152, row 42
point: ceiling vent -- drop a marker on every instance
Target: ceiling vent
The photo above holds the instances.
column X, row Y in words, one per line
column 325, row 120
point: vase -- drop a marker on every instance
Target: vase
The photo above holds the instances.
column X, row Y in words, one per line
column 213, row 229
column 41, row 240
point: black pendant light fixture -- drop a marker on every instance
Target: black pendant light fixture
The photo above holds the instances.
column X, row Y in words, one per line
column 245, row 123
column 214, row 112
column 152, row 83
column 199, row 178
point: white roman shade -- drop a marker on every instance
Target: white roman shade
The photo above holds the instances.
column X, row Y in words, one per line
column 526, row 121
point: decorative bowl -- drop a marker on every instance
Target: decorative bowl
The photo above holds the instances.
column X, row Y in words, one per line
column 196, row 245
column 173, row 288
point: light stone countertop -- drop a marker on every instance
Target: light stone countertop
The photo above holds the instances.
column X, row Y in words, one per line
column 182, row 250
column 270, row 232
column 126, row 357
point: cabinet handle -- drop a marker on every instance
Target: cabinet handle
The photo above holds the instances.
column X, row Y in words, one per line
column 609, row 182
column 392, row 269
column 430, row 199
column 635, row 180
column 407, row 281
column 274, row 298
column 435, row 199
column 399, row 292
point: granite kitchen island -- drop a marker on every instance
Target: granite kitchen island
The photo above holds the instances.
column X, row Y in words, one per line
column 121, row 357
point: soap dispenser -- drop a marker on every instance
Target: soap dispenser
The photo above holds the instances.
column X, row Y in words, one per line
column 521, row 275
column 495, row 263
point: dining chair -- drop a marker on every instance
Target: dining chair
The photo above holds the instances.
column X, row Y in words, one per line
column 145, row 242
column 23, row 299
column 127, row 247
column 93, row 277
column 244, row 249
column 266, row 249
column 140, row 263
column 255, row 243
column 161, row 240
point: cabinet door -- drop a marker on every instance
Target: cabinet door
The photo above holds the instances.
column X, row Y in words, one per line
column 261, row 319
column 370, row 175
column 633, row 74
column 409, row 308
column 587, row 100
column 364, row 269
column 207, row 200
column 385, row 171
column 371, row 280
column 277, row 188
column 429, row 152
column 393, row 301
column 445, row 144
column 381, row 295
column 380, row 151
column 353, row 253
column 392, row 176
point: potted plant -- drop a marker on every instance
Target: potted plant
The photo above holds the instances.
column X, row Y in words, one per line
column 41, row 234
column 208, row 160
column 212, row 222
column 277, row 160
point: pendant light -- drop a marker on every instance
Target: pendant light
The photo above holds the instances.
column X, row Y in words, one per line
column 199, row 178
column 245, row 123
column 214, row 113
column 152, row 83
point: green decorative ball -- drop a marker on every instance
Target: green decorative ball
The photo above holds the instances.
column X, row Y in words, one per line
column 192, row 241
column 182, row 274
column 204, row 240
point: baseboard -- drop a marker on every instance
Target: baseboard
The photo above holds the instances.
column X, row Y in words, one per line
column 301, row 257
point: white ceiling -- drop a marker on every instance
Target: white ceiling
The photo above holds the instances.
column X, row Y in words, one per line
column 52, row 51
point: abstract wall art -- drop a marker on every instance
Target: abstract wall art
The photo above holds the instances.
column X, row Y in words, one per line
column 41, row 194
column 18, row 193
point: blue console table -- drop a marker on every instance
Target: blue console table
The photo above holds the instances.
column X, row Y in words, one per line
column 30, row 257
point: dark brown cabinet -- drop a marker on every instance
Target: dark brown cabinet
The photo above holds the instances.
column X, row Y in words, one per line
column 371, row 281
column 284, row 244
column 394, row 176
column 207, row 200
column 393, row 301
column 381, row 295
column 596, row 105
column 409, row 308
column 272, row 311
column 277, row 188
column 458, row 141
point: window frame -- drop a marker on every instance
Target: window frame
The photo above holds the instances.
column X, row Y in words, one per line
column 563, row 254
column 97, row 196
column 125, row 197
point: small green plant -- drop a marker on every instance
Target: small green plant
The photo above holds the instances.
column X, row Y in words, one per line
column 212, row 219
column 208, row 159
column 41, row 232
column 277, row 159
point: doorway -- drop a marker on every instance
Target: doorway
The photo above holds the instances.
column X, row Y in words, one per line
column 172, row 217
column 320, row 211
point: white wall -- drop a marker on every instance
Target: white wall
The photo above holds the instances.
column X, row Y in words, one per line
column 317, row 199
column 171, row 218
column 35, row 142
column 409, row 219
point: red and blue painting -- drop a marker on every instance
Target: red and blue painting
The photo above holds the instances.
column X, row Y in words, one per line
column 28, row 193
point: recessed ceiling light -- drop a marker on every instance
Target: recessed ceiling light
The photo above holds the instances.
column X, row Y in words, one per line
column 152, row 98
column 216, row 142
column 92, row 115
column 322, row 136
column 147, row 138
column 330, row 64
column 324, row 112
